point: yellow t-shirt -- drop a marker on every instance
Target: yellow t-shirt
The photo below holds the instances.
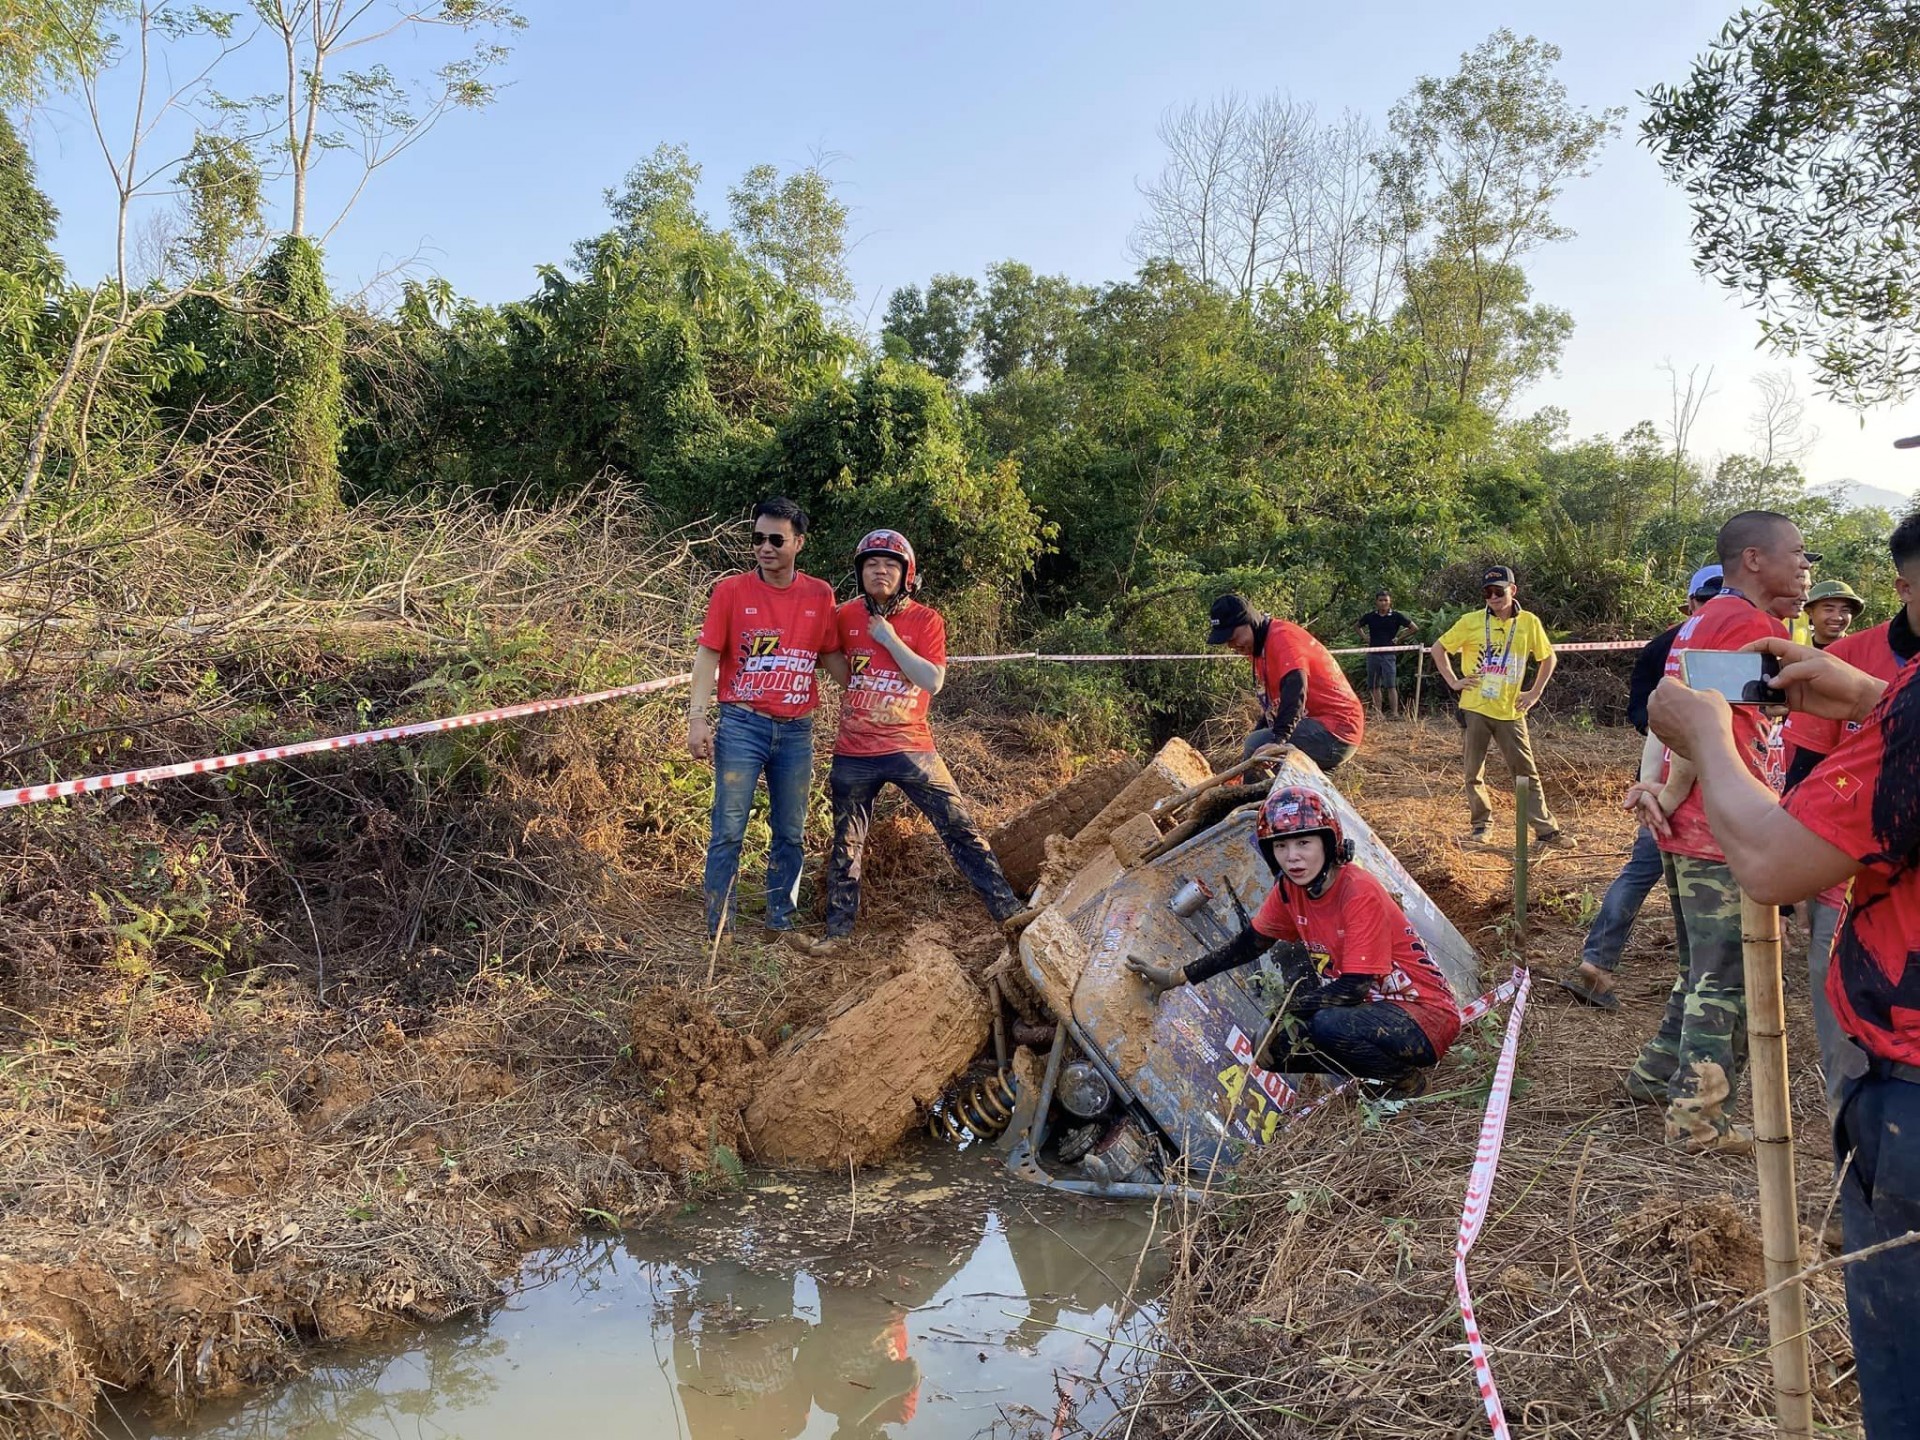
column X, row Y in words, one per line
column 1493, row 655
column 1799, row 631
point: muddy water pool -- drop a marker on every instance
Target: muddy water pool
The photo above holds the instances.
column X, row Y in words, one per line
column 932, row 1297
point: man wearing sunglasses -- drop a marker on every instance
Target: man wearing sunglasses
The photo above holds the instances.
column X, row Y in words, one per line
column 764, row 634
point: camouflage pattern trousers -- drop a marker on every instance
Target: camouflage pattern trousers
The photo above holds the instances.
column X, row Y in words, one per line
column 1701, row 1047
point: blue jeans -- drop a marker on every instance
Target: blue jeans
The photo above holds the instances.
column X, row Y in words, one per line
column 746, row 745
column 1880, row 1200
column 1309, row 737
column 855, row 782
column 1624, row 898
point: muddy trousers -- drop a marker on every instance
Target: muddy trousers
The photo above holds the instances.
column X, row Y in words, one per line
column 1701, row 1047
column 1516, row 748
column 855, row 782
column 1379, row 1041
column 1880, row 1200
column 1311, row 738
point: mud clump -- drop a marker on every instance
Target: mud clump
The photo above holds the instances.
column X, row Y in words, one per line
column 702, row 1073
column 1710, row 1234
column 1020, row 841
column 853, row 1089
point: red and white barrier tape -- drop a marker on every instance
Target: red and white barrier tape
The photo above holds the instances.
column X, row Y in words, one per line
column 33, row 794
column 1230, row 655
column 1486, row 1161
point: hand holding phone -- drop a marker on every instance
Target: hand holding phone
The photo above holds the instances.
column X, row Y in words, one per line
column 1739, row 675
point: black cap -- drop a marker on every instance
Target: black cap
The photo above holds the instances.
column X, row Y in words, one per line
column 1229, row 613
column 1907, row 442
column 1498, row 575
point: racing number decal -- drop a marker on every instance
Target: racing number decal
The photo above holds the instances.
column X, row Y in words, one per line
column 1263, row 1100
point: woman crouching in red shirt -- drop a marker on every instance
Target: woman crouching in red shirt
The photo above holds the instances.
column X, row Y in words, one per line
column 1363, row 997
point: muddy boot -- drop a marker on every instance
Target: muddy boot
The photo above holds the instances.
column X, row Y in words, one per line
column 1409, row 1086
column 1015, row 923
column 1697, row 1116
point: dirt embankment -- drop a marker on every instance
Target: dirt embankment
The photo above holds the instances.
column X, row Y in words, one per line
column 298, row 1054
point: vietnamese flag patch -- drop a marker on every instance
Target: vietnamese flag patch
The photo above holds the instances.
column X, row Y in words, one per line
column 1843, row 784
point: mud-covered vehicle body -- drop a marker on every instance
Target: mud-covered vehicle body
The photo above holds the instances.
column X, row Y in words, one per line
column 1135, row 1092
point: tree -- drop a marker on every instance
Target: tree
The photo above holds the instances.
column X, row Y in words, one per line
column 1793, row 138
column 26, row 215
column 221, row 195
column 290, row 358
column 796, row 227
column 45, row 43
column 1254, row 191
column 1476, row 162
column 654, row 205
column 939, row 329
column 371, row 109
column 1684, row 404
column 1027, row 321
column 1778, row 424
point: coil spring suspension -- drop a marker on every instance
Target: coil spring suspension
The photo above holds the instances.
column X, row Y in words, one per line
column 978, row 1111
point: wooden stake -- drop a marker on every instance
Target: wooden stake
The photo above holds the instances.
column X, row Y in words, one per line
column 1773, row 1152
column 1522, row 807
column 1419, row 674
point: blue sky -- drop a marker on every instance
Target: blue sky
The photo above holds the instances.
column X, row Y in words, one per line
column 966, row 136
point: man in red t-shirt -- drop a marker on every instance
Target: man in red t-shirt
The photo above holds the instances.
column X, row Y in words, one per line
column 1854, row 820
column 1305, row 698
column 895, row 649
column 1882, row 652
column 1363, row 996
column 764, row 634
column 1693, row 1063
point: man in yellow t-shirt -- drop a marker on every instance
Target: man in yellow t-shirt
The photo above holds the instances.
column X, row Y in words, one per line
column 1494, row 645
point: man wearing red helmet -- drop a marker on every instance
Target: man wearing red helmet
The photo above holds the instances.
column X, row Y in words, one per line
column 896, row 650
column 1363, row 996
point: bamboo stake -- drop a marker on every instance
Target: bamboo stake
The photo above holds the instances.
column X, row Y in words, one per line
column 1419, row 674
column 1773, row 1152
column 1522, row 806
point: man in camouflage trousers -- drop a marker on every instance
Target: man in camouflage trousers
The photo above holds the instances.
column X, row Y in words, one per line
column 1692, row 1066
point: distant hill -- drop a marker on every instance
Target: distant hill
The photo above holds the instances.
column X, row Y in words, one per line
column 1856, row 496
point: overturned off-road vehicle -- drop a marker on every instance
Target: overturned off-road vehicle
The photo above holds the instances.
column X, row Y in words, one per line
column 1117, row 1093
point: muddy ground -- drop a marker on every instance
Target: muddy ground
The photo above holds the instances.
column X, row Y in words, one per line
column 205, row 1169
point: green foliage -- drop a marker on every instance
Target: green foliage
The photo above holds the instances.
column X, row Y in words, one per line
column 939, row 330
column 291, row 346
column 26, row 215
column 1794, row 139
column 221, row 196
column 797, row 228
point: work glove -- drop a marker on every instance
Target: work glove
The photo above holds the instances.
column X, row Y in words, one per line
column 1161, row 977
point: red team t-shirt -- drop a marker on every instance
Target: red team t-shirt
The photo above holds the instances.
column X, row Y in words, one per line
column 1864, row 799
column 1356, row 929
column 883, row 712
column 1867, row 650
column 1726, row 622
column 769, row 641
column 1330, row 698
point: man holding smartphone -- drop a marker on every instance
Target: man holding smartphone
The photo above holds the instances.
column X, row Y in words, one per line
column 1854, row 821
column 765, row 633
column 1693, row 1063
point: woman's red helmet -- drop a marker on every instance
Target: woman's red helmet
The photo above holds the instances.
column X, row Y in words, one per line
column 890, row 543
column 1296, row 810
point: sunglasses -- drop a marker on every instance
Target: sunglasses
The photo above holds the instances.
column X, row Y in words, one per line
column 778, row 542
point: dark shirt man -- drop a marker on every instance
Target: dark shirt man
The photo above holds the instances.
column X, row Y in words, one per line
column 1384, row 626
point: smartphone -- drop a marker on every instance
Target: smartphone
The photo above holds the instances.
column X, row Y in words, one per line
column 1740, row 675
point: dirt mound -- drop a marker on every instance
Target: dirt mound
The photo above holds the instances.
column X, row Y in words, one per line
column 702, row 1073
column 1718, row 1244
column 1020, row 841
column 852, row 1089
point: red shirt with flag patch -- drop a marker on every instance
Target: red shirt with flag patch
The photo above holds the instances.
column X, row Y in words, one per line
column 1357, row 929
column 1329, row 699
column 883, row 712
column 1864, row 799
column 769, row 641
column 1726, row 622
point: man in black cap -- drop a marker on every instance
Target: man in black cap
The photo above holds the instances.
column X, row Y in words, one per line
column 1494, row 645
column 1305, row 698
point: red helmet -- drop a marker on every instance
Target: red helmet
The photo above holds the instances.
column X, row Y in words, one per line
column 893, row 543
column 1296, row 810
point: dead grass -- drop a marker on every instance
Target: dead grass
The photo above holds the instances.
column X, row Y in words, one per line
column 1318, row 1301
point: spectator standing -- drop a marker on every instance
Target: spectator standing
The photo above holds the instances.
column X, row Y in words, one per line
column 1832, row 607
column 1494, row 645
column 1592, row 980
column 765, row 633
column 1693, row 1063
column 1384, row 626
column 1854, row 820
column 1305, row 698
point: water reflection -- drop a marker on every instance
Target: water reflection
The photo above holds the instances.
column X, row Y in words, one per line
column 957, row 1311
